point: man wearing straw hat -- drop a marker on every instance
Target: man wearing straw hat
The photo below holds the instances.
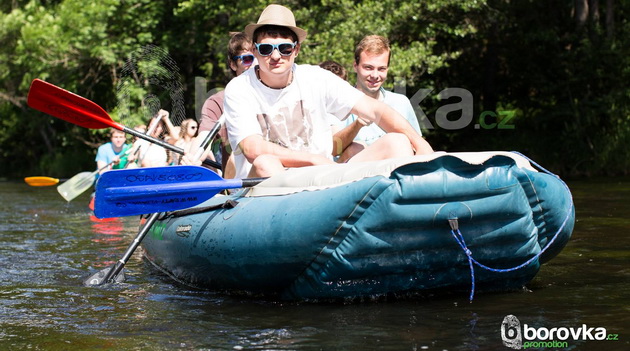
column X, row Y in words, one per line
column 276, row 113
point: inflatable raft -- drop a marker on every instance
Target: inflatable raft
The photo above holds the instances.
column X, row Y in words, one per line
column 389, row 227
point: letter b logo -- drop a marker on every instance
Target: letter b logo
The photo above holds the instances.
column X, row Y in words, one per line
column 511, row 332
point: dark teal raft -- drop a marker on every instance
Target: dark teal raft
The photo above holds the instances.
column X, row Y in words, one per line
column 379, row 228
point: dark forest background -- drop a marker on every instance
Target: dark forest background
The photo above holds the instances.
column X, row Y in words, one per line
column 546, row 78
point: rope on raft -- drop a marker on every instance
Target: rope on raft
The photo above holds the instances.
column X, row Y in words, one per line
column 460, row 238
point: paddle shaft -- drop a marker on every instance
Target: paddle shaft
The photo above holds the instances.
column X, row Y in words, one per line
column 143, row 192
column 213, row 132
column 163, row 144
column 70, row 107
column 111, row 275
column 118, row 267
column 114, row 271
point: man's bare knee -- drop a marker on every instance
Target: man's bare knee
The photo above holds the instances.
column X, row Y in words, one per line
column 395, row 145
column 352, row 149
column 396, row 139
column 266, row 166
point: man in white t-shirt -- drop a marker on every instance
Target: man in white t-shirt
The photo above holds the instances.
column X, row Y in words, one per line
column 276, row 113
column 371, row 64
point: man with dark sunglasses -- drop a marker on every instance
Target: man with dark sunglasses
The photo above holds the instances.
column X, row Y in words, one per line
column 276, row 113
column 239, row 59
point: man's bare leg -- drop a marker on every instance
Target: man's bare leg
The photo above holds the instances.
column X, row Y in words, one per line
column 352, row 149
column 390, row 145
column 266, row 166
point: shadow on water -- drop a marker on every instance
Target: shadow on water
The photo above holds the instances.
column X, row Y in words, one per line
column 48, row 246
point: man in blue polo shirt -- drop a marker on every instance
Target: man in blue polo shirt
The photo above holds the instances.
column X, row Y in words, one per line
column 111, row 155
column 371, row 63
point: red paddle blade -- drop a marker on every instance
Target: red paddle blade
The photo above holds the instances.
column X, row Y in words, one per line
column 60, row 103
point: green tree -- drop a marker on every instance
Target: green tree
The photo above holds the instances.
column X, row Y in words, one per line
column 562, row 70
column 560, row 67
column 76, row 45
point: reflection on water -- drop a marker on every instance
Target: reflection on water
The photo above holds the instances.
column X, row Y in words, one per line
column 48, row 246
column 112, row 227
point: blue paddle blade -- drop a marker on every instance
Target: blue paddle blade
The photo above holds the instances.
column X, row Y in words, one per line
column 131, row 192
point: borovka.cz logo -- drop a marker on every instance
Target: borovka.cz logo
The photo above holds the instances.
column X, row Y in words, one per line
column 516, row 337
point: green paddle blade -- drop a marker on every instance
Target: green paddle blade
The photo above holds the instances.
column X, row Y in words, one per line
column 76, row 185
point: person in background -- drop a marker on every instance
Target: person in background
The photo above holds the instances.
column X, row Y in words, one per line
column 152, row 155
column 112, row 153
column 371, row 64
column 239, row 59
column 335, row 67
column 132, row 156
column 276, row 113
column 187, row 132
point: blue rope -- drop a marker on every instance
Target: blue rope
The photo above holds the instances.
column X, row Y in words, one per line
column 462, row 243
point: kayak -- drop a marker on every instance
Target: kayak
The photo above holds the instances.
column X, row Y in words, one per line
column 410, row 225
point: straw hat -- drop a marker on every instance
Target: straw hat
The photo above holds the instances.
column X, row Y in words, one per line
column 276, row 15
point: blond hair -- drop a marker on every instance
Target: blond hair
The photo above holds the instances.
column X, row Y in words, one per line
column 373, row 44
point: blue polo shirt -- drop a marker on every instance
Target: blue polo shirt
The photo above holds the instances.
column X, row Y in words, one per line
column 398, row 102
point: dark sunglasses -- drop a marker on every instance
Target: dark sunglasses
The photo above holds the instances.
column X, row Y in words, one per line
column 285, row 49
column 246, row 59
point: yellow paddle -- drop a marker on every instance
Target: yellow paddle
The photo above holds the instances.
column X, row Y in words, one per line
column 42, row 181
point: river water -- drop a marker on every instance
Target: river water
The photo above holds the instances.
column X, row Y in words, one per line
column 48, row 246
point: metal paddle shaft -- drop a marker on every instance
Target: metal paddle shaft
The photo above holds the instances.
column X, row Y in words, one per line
column 158, row 189
column 70, row 107
column 213, row 132
column 153, row 175
column 112, row 274
column 166, row 145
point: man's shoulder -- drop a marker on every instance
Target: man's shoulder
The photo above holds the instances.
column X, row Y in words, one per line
column 218, row 96
column 389, row 95
column 214, row 99
column 244, row 79
column 307, row 67
column 399, row 102
column 106, row 146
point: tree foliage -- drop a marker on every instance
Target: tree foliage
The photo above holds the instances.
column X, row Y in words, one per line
column 559, row 67
column 562, row 69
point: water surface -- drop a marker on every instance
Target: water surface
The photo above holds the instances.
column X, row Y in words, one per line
column 48, row 246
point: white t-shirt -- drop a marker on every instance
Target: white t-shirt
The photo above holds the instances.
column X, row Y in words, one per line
column 152, row 155
column 294, row 117
column 373, row 132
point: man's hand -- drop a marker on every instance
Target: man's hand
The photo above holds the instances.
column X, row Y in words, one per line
column 189, row 160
